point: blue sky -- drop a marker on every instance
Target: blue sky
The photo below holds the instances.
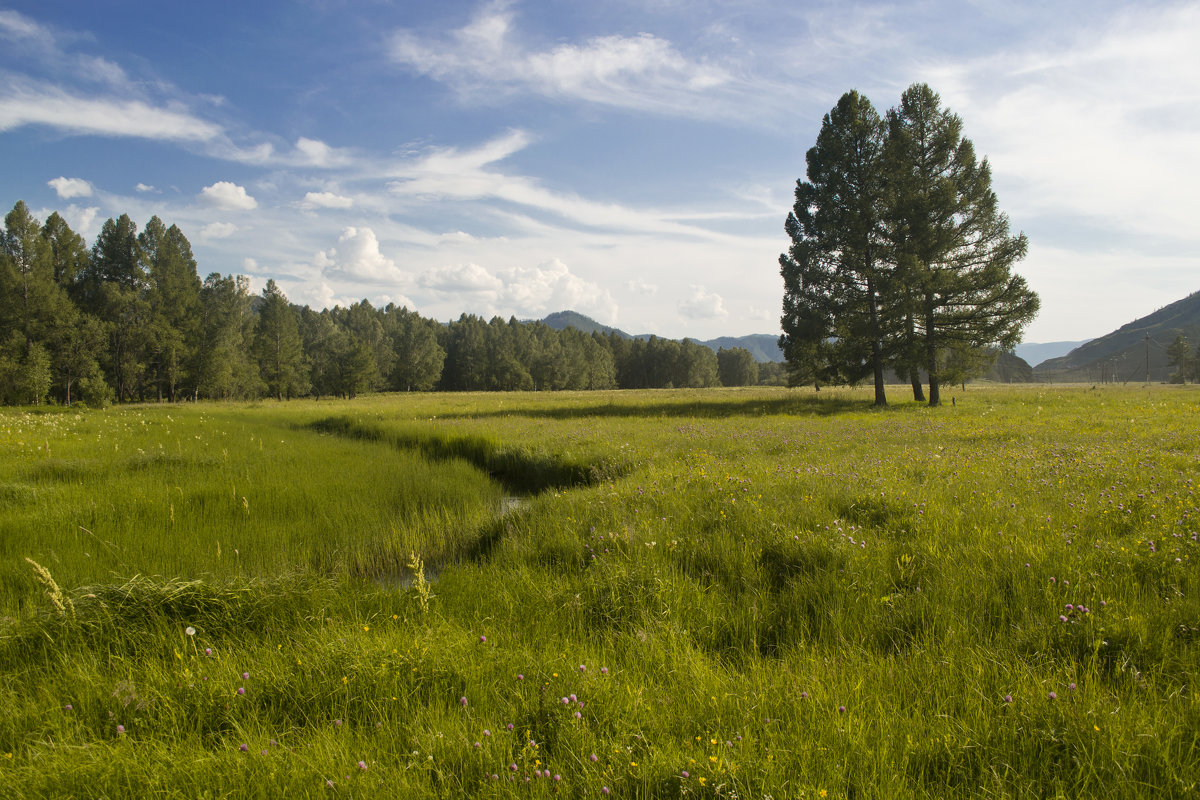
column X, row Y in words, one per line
column 633, row 161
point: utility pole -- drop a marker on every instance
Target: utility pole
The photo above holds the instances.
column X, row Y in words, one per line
column 1147, row 359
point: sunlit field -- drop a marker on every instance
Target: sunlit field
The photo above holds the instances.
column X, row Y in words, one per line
column 726, row 593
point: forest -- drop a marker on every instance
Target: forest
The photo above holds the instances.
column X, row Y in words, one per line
column 130, row 320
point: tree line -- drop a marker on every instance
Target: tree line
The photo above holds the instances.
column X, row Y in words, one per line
column 900, row 259
column 130, row 320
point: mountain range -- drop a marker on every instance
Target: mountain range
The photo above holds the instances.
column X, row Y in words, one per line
column 1136, row 351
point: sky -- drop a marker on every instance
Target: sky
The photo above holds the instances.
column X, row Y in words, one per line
column 632, row 161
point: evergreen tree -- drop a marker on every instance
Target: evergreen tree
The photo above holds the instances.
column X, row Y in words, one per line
column 114, row 289
column 418, row 356
column 277, row 346
column 736, row 367
column 224, row 369
column 952, row 246
column 173, row 295
column 836, row 273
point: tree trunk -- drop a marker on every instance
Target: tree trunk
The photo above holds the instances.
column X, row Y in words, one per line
column 876, row 349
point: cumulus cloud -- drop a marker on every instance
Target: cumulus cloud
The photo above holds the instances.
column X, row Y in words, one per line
column 327, row 200
column 524, row 291
column 145, row 187
column 218, row 230
column 460, row 278
column 228, row 195
column 357, row 256
column 702, row 304
column 642, row 71
column 70, row 187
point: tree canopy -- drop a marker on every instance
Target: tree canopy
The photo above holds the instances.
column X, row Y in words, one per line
column 900, row 257
column 130, row 320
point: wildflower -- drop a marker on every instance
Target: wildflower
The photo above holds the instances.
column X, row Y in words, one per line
column 509, row 726
column 68, row 707
column 702, row 780
column 841, row 709
column 593, row 758
column 558, row 777
column 245, row 676
column 483, row 640
column 512, row 767
column 329, row 784
column 804, row 695
column 520, row 677
column 337, row 723
column 1071, row 687
column 189, row 630
column 478, row 745
column 208, row 651
column 262, row 752
column 603, row 790
column 1008, row 698
column 578, row 715
column 583, row 668
column 120, row 729
column 241, row 690
column 1053, row 696
column 462, row 701
column 362, row 765
column 486, row 732
column 684, row 774
column 604, row 670
column 244, row 747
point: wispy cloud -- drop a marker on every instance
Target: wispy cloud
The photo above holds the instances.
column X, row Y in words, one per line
column 486, row 57
column 37, row 103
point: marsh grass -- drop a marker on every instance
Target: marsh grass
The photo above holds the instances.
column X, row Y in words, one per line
column 775, row 594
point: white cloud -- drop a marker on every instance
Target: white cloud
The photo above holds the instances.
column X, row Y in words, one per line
column 17, row 27
column 357, row 256
column 218, row 230
column 315, row 153
column 80, row 219
column 639, row 286
column 1097, row 124
column 642, row 71
column 249, row 265
column 327, row 200
column 460, row 278
column 145, row 187
column 70, row 187
column 228, row 195
column 32, row 103
column 702, row 304
column 521, row 291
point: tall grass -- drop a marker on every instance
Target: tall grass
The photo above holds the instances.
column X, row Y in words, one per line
column 751, row 593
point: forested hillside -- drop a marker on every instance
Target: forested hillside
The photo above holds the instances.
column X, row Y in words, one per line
column 1157, row 347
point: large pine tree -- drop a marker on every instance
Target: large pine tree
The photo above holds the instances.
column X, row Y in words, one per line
column 836, row 274
column 952, row 245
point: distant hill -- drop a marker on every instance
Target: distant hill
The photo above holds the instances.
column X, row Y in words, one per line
column 763, row 346
column 1010, row 368
column 1125, row 354
column 1037, row 352
column 573, row 319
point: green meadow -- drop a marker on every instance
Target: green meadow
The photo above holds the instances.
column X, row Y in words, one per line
column 717, row 593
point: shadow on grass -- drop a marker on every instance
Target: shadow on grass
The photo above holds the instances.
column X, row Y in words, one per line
column 520, row 471
column 712, row 408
